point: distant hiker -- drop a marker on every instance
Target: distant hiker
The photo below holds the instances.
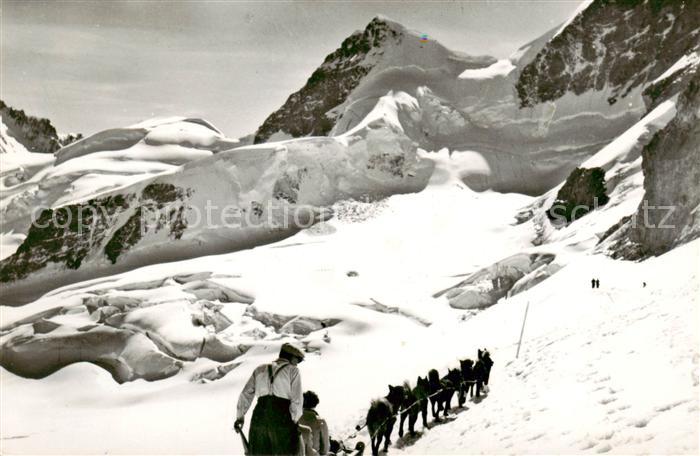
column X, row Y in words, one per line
column 592, row 283
column 381, row 418
column 644, row 284
column 597, row 283
column 273, row 427
column 317, row 441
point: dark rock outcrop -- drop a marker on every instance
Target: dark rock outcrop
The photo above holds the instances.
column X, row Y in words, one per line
column 58, row 236
column 672, row 180
column 613, row 44
column 35, row 134
column 668, row 215
column 583, row 191
column 67, row 235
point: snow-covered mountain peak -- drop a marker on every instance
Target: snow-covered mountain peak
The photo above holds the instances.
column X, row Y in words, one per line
column 357, row 47
column 384, row 46
column 387, row 21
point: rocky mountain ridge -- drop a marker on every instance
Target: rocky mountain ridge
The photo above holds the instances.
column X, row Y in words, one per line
column 613, row 46
column 35, row 134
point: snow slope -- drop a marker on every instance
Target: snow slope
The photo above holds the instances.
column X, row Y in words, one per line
column 599, row 345
column 609, row 370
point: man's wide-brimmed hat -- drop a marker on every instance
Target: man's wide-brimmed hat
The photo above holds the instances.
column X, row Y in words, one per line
column 292, row 349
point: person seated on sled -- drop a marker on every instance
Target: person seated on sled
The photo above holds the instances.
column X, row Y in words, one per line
column 317, row 441
column 273, row 427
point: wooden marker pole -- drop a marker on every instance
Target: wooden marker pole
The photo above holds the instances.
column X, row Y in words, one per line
column 522, row 330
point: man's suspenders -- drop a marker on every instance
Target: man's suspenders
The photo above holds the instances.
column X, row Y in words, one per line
column 271, row 375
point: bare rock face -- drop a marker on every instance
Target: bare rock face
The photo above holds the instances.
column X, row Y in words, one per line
column 485, row 287
column 669, row 214
column 304, row 112
column 68, row 235
column 56, row 236
column 672, row 180
column 583, row 191
column 35, row 134
column 613, row 44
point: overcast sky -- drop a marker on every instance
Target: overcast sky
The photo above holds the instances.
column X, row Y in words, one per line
column 92, row 65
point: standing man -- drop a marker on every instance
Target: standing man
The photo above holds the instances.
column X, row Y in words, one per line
column 273, row 427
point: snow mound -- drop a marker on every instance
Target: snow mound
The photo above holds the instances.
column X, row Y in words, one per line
column 189, row 133
column 113, row 139
column 500, row 68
